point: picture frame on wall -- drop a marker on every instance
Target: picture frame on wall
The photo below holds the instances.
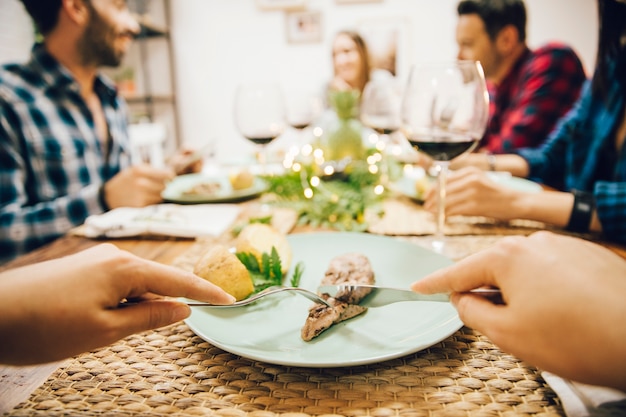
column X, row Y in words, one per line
column 281, row 4
column 304, row 26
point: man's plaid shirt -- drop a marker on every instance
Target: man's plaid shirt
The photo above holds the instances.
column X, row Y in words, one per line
column 51, row 160
column 540, row 88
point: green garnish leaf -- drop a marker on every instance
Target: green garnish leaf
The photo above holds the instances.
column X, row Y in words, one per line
column 249, row 261
column 297, row 274
column 269, row 272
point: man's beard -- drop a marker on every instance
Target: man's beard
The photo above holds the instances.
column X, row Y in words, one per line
column 96, row 45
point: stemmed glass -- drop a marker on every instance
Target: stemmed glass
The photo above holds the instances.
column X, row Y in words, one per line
column 380, row 106
column 260, row 115
column 304, row 106
column 444, row 114
column 380, row 111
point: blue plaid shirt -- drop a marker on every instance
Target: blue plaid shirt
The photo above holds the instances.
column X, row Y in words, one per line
column 51, row 160
column 580, row 154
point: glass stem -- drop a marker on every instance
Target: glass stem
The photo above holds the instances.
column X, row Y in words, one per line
column 442, row 168
column 263, row 160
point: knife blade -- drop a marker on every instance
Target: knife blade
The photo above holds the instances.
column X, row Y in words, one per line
column 375, row 296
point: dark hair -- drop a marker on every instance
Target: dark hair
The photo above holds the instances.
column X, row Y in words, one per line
column 45, row 13
column 496, row 14
column 612, row 18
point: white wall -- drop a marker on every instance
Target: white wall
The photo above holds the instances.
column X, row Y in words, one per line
column 219, row 43
column 16, row 32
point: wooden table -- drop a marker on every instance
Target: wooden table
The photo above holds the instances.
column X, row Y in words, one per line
column 18, row 383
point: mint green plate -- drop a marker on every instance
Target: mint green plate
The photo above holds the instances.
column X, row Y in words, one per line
column 269, row 330
column 406, row 184
column 515, row 183
column 175, row 190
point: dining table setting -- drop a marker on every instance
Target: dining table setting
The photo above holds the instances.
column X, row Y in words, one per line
column 404, row 359
column 408, row 358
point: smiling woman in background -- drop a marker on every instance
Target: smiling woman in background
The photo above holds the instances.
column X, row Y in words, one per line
column 351, row 64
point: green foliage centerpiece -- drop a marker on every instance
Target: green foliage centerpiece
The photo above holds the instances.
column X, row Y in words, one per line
column 331, row 181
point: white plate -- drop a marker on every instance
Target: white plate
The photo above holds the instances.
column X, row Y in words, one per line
column 175, row 190
column 406, row 184
column 519, row 184
column 269, row 330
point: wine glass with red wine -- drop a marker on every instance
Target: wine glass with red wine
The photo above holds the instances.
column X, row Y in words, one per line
column 304, row 107
column 444, row 115
column 260, row 115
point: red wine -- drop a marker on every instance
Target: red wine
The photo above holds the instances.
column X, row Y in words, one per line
column 384, row 130
column 300, row 126
column 442, row 150
column 261, row 140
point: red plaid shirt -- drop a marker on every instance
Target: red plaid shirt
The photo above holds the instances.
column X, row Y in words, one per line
column 541, row 87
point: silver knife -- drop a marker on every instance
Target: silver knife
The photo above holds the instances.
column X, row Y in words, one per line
column 375, row 296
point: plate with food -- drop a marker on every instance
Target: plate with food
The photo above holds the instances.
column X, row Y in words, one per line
column 515, row 183
column 283, row 329
column 205, row 188
column 415, row 183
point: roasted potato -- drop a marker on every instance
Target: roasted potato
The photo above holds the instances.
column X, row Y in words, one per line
column 259, row 238
column 222, row 267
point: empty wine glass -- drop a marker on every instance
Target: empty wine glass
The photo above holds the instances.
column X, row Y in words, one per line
column 380, row 105
column 260, row 115
column 380, row 111
column 444, row 115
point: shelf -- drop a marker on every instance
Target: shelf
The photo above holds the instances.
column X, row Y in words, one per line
column 151, row 64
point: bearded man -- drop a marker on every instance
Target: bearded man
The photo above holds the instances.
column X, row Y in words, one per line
column 63, row 127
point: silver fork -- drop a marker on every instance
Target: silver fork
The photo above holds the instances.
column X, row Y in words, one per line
column 269, row 291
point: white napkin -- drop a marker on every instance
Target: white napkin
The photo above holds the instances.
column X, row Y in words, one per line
column 163, row 220
column 582, row 400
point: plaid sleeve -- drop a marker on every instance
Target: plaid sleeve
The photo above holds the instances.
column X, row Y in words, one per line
column 547, row 164
column 611, row 208
column 25, row 225
column 549, row 86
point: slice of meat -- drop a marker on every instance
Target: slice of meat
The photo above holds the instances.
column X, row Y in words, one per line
column 350, row 268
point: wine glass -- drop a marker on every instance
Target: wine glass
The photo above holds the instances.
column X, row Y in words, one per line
column 380, row 111
column 260, row 115
column 444, row 115
column 304, row 106
column 380, row 106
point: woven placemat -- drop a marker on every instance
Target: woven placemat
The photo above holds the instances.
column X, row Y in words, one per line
column 173, row 372
column 404, row 217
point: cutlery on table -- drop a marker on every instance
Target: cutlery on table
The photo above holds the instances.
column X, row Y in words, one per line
column 382, row 296
column 267, row 292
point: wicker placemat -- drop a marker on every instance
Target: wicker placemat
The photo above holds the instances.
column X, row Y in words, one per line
column 173, row 372
column 403, row 217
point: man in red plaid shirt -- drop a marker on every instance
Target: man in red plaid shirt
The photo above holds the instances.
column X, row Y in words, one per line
column 529, row 89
